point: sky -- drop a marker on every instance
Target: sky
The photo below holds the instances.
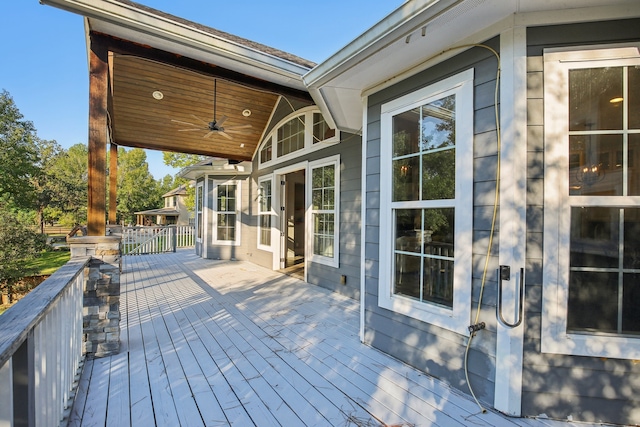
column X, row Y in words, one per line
column 43, row 56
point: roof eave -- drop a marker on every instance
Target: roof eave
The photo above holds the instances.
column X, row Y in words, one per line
column 125, row 16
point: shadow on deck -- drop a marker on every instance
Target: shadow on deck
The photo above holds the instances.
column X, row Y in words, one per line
column 221, row 343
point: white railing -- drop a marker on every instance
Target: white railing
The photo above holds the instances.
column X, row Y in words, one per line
column 156, row 239
column 41, row 350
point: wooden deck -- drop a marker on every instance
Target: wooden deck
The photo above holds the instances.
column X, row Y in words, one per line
column 220, row 343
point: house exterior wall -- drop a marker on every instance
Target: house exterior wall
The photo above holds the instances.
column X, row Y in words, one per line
column 435, row 350
column 349, row 219
column 586, row 388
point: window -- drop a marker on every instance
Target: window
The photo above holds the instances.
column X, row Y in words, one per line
column 325, row 179
column 592, row 203
column 321, row 130
column 199, row 210
column 291, row 136
column 426, row 203
column 227, row 226
column 265, row 214
column 297, row 134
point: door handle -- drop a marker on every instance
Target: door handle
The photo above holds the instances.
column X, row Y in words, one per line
column 504, row 274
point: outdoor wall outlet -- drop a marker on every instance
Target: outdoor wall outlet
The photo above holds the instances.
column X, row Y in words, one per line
column 343, row 280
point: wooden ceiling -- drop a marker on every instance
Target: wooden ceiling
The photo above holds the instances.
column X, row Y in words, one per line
column 140, row 120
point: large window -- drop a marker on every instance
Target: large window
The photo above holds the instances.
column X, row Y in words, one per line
column 325, row 179
column 592, row 203
column 297, row 134
column 227, row 224
column 266, row 213
column 426, row 204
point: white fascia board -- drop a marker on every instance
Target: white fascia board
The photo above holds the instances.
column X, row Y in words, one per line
column 166, row 31
column 374, row 38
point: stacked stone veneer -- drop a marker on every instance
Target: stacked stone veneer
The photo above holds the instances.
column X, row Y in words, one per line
column 101, row 312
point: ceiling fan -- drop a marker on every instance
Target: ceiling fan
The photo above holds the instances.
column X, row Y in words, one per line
column 214, row 126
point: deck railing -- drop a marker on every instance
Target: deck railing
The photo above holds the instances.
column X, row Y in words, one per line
column 156, row 239
column 41, row 350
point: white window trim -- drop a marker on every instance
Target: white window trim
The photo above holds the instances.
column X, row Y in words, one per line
column 309, row 146
column 557, row 206
column 273, row 213
column 200, row 224
column 238, row 212
column 320, row 259
column 456, row 319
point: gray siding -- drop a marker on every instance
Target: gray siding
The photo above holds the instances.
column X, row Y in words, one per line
column 350, row 211
column 589, row 389
column 435, row 350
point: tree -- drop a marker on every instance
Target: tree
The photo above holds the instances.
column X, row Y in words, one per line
column 181, row 160
column 137, row 190
column 18, row 155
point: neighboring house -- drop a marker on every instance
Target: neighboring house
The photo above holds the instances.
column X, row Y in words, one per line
column 174, row 212
column 455, row 201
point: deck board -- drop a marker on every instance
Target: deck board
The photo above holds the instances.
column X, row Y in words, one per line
column 228, row 343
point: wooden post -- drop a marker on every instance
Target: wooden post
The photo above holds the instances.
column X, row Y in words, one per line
column 113, row 182
column 98, row 92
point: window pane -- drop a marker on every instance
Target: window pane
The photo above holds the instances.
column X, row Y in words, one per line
column 595, row 237
column 265, row 196
column 438, row 281
column 630, row 300
column 439, row 175
column 632, row 240
column 265, row 230
column 438, row 123
column 591, row 92
column 593, row 301
column 226, row 227
column 594, row 167
column 406, row 132
column 439, row 231
column 406, row 179
column 323, row 234
column 266, row 152
column 407, row 277
column 408, row 227
column 321, row 129
column 634, row 97
column 291, row 136
column 634, row 165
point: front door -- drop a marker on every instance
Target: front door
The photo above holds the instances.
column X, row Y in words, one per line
column 292, row 222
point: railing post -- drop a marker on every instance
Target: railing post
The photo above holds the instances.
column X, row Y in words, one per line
column 174, row 238
column 101, row 312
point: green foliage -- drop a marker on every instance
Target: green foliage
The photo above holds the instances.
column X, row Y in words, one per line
column 20, row 244
column 181, row 160
column 137, row 190
column 18, row 155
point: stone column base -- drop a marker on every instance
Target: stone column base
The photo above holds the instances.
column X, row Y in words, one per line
column 101, row 312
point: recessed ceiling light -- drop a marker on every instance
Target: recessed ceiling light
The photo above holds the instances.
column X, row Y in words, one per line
column 246, row 112
column 157, row 95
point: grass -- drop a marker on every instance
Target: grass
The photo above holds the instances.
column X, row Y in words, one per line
column 49, row 262
column 45, row 265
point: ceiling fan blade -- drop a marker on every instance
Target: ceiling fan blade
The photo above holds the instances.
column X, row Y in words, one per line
column 200, row 120
column 191, row 130
column 238, row 132
column 221, row 121
column 238, row 127
column 184, row 123
column 223, row 133
column 208, row 134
